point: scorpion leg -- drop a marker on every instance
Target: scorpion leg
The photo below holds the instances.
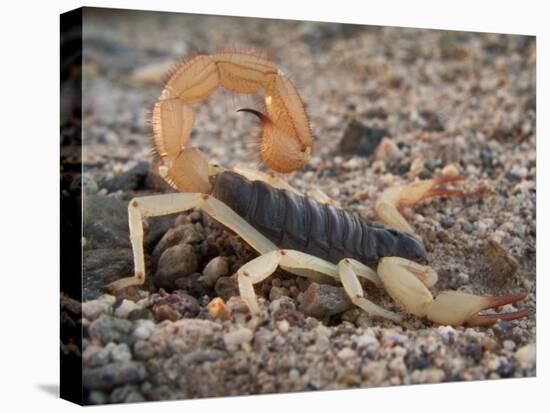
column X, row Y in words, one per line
column 390, row 204
column 263, row 266
column 353, row 288
column 404, row 285
column 158, row 205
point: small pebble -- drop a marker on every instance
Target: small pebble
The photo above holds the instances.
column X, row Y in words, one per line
column 218, row 309
column 526, row 356
column 278, row 292
column 94, row 308
column 235, row 338
column 368, row 339
column 387, row 150
column 509, row 345
column 121, row 352
column 143, row 329
column 346, row 353
column 449, row 171
column 294, row 374
column 217, row 267
column 125, row 308
column 321, row 300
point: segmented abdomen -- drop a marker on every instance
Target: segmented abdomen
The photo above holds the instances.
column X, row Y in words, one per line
column 294, row 222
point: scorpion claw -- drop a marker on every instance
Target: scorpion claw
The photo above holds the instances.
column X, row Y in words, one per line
column 406, row 282
column 457, row 308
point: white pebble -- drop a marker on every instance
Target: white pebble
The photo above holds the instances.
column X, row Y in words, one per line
column 367, row 339
column 387, row 149
column 526, row 356
column 449, row 171
column 125, row 308
column 283, row 326
column 294, row 374
column 509, row 345
column 346, row 353
column 237, row 337
column 121, row 352
column 143, row 329
column 93, row 309
column 216, row 268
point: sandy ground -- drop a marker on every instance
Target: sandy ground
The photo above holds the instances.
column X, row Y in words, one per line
column 442, row 98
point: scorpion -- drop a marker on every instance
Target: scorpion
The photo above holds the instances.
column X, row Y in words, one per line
column 305, row 235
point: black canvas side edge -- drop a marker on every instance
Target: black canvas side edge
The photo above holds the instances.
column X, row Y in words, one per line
column 71, row 200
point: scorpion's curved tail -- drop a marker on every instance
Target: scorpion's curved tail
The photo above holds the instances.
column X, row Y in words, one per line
column 286, row 139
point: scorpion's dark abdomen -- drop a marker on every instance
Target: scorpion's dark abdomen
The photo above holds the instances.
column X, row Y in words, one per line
column 295, row 222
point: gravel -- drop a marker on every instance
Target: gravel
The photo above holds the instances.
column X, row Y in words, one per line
column 405, row 104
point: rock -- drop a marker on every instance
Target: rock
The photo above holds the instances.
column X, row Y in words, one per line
column 165, row 312
column 391, row 338
column 143, row 350
column 430, row 121
column 281, row 302
column 216, row 268
column 447, row 222
column 235, row 338
column 107, row 328
column 183, row 336
column 321, row 300
column 218, row 309
column 449, row 170
column 95, row 355
column 290, row 315
column 502, row 328
column 182, row 234
column 113, row 374
column 94, row 308
column 179, row 305
column 509, row 345
column 126, row 394
column 121, row 352
column 359, row 139
column 504, row 264
column 193, row 284
column 322, row 337
column 293, row 374
column 97, row 397
column 140, row 314
column 473, row 350
column 467, row 227
column 125, row 308
column 105, row 222
column 526, row 356
column 130, row 180
column 226, row 287
column 237, row 305
column 277, row 292
column 506, row 369
column 346, row 353
column 103, row 266
column 387, row 150
column 375, row 372
column 85, row 183
column 368, row 339
column 175, row 262
column 143, row 329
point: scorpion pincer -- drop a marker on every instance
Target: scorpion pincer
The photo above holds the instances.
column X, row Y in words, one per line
column 304, row 235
